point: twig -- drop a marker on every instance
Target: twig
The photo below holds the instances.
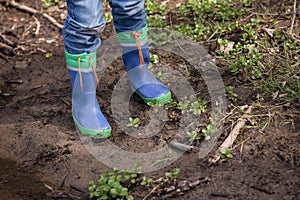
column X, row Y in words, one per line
column 57, row 194
column 294, row 17
column 154, row 189
column 232, row 136
column 292, row 35
column 38, row 25
column 7, row 41
column 182, row 187
column 34, row 11
column 8, row 50
column 73, row 187
column 51, row 19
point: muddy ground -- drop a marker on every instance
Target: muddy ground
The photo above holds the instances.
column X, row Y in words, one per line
column 42, row 156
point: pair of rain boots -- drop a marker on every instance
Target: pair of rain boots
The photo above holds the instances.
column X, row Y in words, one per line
column 86, row 112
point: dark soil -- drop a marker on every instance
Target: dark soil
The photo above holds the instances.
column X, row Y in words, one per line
column 41, row 154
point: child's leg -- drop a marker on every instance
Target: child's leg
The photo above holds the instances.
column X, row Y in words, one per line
column 82, row 26
column 80, row 32
column 130, row 22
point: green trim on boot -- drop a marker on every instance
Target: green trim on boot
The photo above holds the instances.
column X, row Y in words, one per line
column 124, row 37
column 85, row 60
column 91, row 132
column 162, row 99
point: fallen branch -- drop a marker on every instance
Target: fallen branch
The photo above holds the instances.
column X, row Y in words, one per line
column 232, row 136
column 34, row 11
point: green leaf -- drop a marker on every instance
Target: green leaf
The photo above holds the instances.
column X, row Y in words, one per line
column 48, row 55
column 113, row 192
column 168, row 175
column 136, row 121
column 176, row 171
column 133, row 181
column 133, row 175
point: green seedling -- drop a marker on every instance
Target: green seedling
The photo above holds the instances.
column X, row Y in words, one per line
column 226, row 153
column 115, row 184
column 134, row 122
column 193, row 105
column 158, row 74
column 230, row 94
column 155, row 13
column 172, row 176
column 48, row 55
column 208, row 132
column 154, row 58
column 110, row 185
column 194, row 136
column 48, row 3
column 146, row 181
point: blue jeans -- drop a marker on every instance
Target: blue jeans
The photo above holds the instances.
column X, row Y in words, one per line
column 84, row 22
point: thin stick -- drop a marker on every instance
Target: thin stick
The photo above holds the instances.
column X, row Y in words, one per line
column 34, row 11
column 51, row 19
column 38, row 25
column 7, row 41
column 232, row 136
column 292, row 35
column 294, row 17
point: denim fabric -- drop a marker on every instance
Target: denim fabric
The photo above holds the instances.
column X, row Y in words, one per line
column 84, row 22
column 128, row 15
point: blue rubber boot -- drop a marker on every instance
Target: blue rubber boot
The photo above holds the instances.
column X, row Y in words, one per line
column 136, row 58
column 86, row 112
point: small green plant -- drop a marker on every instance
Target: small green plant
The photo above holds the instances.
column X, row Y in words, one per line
column 154, row 58
column 208, row 19
column 155, row 106
column 48, row 3
column 156, row 13
column 110, row 185
column 226, row 153
column 134, row 122
column 153, row 7
column 48, row 55
column 146, row 181
column 158, row 74
column 194, row 136
column 230, row 94
column 193, row 105
column 172, row 176
column 208, row 132
column 114, row 184
column 248, row 63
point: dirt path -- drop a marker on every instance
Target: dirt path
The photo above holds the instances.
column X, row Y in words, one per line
column 42, row 157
